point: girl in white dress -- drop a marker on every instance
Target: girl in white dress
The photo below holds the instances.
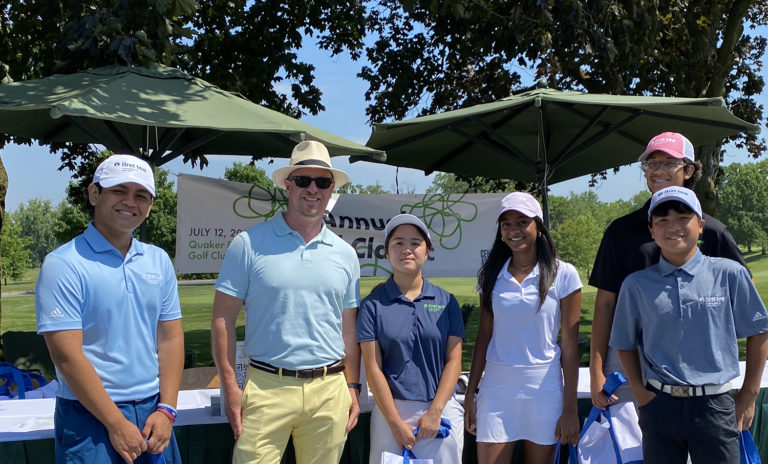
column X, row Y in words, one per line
column 528, row 388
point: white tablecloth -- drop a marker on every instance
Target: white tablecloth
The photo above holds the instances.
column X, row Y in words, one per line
column 33, row 419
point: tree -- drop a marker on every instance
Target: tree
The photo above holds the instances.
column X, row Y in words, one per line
column 447, row 183
column 249, row 174
column 16, row 257
column 434, row 56
column 37, row 222
column 577, row 241
column 359, row 189
column 743, row 196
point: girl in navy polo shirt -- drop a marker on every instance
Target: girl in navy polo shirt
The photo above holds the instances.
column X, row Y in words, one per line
column 410, row 334
column 528, row 389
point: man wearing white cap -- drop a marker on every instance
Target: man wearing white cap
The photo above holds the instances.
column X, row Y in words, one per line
column 299, row 283
column 109, row 310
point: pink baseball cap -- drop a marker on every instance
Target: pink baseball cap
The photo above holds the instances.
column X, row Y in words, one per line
column 674, row 144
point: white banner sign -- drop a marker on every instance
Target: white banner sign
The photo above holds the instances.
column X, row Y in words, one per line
column 211, row 212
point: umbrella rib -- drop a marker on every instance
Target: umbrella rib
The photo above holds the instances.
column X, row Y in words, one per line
column 470, row 140
column 194, row 144
column 587, row 127
column 169, row 137
column 490, row 131
column 123, row 144
column 567, row 156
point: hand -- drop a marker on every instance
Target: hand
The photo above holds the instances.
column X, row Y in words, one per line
column 232, row 408
column 429, row 424
column 643, row 396
column 354, row 410
column 158, row 430
column 470, row 414
column 567, row 429
column 127, row 440
column 745, row 409
column 599, row 399
column 403, row 434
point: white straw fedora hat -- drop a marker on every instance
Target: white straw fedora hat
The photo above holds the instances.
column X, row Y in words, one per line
column 309, row 154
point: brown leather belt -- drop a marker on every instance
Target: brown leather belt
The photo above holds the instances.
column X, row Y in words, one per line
column 332, row 368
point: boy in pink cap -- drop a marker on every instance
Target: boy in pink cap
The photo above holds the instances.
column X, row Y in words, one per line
column 627, row 246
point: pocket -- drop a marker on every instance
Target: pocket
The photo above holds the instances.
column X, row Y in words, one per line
column 653, row 400
column 723, row 403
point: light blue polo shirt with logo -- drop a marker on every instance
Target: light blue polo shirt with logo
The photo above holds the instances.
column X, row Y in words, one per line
column 294, row 292
column 117, row 302
column 412, row 336
column 685, row 321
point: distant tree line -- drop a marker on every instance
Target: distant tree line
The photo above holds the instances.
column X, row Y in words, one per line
column 577, row 221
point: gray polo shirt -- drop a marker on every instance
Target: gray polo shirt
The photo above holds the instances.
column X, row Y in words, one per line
column 685, row 321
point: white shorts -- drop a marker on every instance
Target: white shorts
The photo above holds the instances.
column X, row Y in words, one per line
column 442, row 450
column 519, row 403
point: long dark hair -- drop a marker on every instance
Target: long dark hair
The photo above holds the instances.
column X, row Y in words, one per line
column 546, row 256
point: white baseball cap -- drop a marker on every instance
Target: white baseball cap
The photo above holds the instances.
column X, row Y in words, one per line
column 681, row 194
column 122, row 169
column 401, row 219
column 521, row 202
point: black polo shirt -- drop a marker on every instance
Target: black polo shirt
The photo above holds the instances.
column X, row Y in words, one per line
column 627, row 247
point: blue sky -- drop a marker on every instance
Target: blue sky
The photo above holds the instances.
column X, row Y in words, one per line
column 32, row 171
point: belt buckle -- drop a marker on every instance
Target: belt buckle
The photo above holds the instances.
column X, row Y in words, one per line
column 680, row 391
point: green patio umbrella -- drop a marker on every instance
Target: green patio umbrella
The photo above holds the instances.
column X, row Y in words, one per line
column 548, row 136
column 159, row 112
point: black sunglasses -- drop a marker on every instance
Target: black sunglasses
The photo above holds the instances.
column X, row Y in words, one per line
column 304, row 181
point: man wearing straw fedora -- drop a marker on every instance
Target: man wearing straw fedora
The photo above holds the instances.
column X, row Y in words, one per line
column 299, row 284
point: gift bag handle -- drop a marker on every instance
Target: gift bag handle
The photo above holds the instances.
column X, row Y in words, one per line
column 573, row 457
column 22, row 380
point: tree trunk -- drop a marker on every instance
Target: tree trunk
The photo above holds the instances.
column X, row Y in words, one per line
column 3, row 192
column 706, row 187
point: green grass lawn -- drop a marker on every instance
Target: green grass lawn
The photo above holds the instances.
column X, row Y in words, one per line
column 18, row 312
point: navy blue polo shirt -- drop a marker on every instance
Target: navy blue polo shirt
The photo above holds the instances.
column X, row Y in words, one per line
column 412, row 336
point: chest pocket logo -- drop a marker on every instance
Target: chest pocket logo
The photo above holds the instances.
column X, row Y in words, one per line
column 433, row 308
column 153, row 279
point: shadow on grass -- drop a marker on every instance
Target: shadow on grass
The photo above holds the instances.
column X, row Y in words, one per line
column 199, row 341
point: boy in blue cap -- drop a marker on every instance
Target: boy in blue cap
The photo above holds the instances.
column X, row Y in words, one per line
column 676, row 329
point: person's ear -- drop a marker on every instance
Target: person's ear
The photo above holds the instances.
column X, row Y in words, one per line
column 93, row 194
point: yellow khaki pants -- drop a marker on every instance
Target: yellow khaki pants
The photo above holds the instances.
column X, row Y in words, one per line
column 314, row 411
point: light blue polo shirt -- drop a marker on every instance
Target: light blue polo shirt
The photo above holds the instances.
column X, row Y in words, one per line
column 117, row 302
column 412, row 336
column 294, row 292
column 686, row 321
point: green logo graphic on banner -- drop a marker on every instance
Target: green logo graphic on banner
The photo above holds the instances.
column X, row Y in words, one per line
column 261, row 202
column 443, row 216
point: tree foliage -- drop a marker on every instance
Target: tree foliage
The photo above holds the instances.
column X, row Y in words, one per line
column 432, row 56
column 37, row 222
column 743, row 199
column 447, row 183
column 577, row 239
column 16, row 257
column 360, row 189
column 247, row 173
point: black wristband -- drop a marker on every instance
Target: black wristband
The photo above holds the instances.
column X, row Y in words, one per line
column 356, row 386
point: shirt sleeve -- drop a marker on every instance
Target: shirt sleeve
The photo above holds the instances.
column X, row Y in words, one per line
column 569, row 280
column 234, row 275
column 59, row 298
column 171, row 308
column 625, row 333
column 605, row 272
column 366, row 320
column 352, row 296
column 749, row 314
column 724, row 245
column 456, row 327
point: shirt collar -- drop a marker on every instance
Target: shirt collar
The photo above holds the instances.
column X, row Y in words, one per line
column 393, row 293
column 690, row 267
column 282, row 228
column 99, row 244
column 504, row 272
